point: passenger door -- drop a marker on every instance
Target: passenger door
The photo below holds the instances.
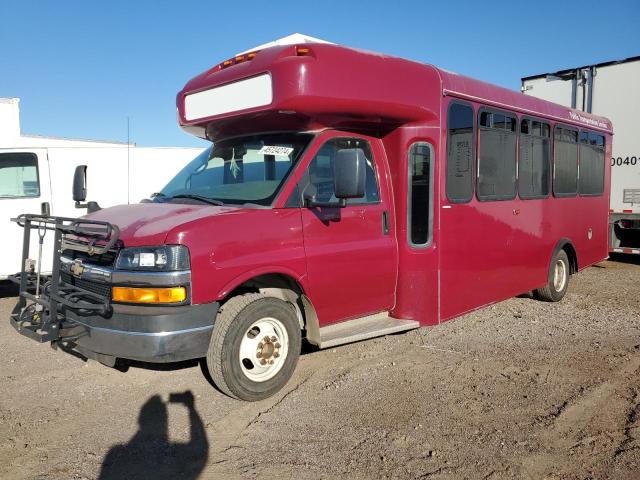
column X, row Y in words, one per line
column 351, row 252
column 24, row 185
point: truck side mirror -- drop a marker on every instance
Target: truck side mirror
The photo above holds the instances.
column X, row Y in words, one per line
column 80, row 184
column 350, row 170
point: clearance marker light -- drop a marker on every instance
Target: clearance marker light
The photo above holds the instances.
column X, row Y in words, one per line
column 149, row 295
column 237, row 59
column 303, row 51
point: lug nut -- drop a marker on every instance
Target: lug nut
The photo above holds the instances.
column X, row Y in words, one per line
column 277, row 345
column 258, row 354
column 273, row 339
column 263, row 362
column 276, row 355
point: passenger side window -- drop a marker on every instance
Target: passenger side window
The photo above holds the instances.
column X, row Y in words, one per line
column 19, row 175
column 591, row 176
column 565, row 162
column 420, row 210
column 534, row 166
column 319, row 179
column 459, row 153
column 496, row 156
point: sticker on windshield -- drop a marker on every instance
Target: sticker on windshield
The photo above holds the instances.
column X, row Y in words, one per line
column 274, row 150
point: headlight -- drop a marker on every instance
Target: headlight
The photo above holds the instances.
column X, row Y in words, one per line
column 166, row 258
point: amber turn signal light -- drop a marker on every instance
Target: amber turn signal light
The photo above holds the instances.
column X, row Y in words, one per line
column 149, row 295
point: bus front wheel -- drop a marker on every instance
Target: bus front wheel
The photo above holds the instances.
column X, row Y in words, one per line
column 254, row 346
column 559, row 272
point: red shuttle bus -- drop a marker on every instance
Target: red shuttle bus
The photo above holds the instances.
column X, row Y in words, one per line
column 346, row 195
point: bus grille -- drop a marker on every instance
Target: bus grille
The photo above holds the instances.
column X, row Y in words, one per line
column 103, row 289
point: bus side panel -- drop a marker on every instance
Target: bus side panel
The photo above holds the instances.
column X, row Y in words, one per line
column 589, row 216
column 494, row 250
column 491, row 251
column 584, row 221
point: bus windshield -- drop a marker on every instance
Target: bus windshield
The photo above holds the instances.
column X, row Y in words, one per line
column 240, row 170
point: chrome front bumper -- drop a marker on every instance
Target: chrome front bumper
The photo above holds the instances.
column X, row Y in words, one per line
column 147, row 334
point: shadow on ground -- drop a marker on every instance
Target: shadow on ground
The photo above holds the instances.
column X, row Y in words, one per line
column 150, row 454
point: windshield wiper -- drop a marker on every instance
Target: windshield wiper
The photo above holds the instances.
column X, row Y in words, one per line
column 208, row 200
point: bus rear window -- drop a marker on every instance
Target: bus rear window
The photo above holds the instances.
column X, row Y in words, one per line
column 591, row 164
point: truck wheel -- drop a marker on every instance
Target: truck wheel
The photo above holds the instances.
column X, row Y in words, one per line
column 254, row 347
column 559, row 272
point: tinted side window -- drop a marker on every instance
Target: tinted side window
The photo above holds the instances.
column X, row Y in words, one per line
column 19, row 175
column 420, row 194
column 459, row 153
column 565, row 162
column 591, row 164
column 318, row 182
column 534, row 163
column 497, row 156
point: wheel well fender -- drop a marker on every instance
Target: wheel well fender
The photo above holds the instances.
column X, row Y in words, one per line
column 566, row 245
column 286, row 288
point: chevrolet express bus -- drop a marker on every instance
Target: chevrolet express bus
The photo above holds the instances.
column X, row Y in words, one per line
column 345, row 195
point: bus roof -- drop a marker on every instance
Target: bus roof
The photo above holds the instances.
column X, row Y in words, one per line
column 315, row 85
column 499, row 97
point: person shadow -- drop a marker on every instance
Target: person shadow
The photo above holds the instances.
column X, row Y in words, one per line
column 149, row 454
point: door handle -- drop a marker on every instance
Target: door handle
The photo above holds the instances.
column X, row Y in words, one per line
column 385, row 222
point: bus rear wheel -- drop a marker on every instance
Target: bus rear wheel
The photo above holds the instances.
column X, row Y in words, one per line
column 559, row 272
column 254, row 347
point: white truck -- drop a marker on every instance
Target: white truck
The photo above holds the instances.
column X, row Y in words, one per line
column 38, row 170
column 610, row 89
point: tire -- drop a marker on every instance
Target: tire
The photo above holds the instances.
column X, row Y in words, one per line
column 559, row 274
column 254, row 347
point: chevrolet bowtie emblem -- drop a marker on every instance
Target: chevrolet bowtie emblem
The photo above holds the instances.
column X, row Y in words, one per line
column 76, row 268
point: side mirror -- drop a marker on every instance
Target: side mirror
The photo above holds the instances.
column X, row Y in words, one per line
column 80, row 190
column 80, row 184
column 350, row 170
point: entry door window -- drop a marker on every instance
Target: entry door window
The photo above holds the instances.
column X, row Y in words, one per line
column 19, row 175
column 420, row 201
column 318, row 182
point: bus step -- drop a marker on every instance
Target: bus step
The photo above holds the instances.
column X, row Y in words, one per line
column 362, row 328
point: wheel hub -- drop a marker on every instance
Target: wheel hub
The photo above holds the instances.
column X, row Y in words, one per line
column 560, row 276
column 267, row 350
column 263, row 349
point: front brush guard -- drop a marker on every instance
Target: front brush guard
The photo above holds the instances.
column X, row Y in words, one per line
column 42, row 317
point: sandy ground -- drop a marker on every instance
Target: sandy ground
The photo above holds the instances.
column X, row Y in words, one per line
column 522, row 389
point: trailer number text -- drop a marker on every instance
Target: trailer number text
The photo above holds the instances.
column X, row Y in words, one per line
column 619, row 161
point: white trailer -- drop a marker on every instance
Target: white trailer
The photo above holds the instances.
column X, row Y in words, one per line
column 39, row 170
column 610, row 89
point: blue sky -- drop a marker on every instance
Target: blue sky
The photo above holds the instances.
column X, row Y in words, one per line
column 82, row 67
